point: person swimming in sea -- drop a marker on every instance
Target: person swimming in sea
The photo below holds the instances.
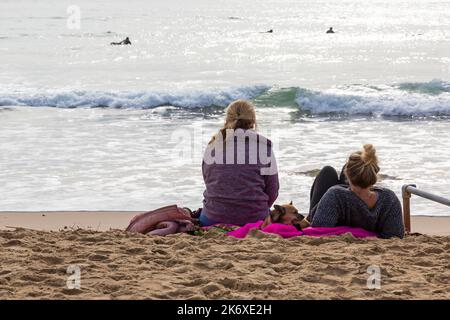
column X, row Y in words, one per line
column 330, row 30
column 269, row 31
column 123, row 42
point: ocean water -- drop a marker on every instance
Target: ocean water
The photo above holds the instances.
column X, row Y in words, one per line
column 89, row 126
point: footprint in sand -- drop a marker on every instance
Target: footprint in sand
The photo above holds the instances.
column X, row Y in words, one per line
column 210, row 288
column 329, row 281
column 161, row 252
column 104, row 252
column 203, row 265
column 98, row 257
column 71, row 292
column 228, row 282
column 350, row 238
column 113, row 266
column 252, row 286
column 193, row 283
column 33, row 277
column 283, row 269
column 159, row 240
column 402, row 292
column 181, row 245
column 51, row 259
column 92, row 239
column 136, row 251
column 313, row 278
column 195, row 297
column 391, row 271
column 335, row 271
column 109, row 288
column 13, row 243
column 273, row 258
column 55, row 282
column 437, row 278
column 224, row 265
column 423, row 263
column 181, row 269
column 172, row 262
column 359, row 281
column 121, row 276
column 258, row 234
column 315, row 241
column 243, row 256
column 433, row 250
column 17, row 234
column 375, row 250
column 35, row 294
column 179, row 293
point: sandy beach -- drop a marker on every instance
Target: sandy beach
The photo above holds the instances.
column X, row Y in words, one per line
column 108, row 106
column 118, row 265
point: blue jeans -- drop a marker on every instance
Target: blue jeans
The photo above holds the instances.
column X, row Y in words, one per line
column 204, row 221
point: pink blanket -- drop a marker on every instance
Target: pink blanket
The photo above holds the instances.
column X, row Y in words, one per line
column 288, row 231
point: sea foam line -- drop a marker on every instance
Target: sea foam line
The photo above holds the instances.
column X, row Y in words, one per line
column 408, row 99
column 129, row 99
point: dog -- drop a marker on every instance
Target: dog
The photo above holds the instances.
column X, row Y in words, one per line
column 286, row 214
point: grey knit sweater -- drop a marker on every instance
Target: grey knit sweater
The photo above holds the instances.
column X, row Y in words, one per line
column 341, row 207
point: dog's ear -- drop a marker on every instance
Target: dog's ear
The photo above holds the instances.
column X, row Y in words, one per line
column 291, row 203
column 276, row 214
column 279, row 208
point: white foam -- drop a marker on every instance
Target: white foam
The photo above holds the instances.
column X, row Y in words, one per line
column 128, row 99
column 410, row 99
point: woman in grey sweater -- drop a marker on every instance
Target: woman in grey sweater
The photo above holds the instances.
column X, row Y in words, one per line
column 353, row 199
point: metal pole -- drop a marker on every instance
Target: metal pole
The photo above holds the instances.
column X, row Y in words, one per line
column 407, row 207
column 411, row 189
column 407, row 191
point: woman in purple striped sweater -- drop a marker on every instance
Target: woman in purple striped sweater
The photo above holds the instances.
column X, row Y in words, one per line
column 239, row 170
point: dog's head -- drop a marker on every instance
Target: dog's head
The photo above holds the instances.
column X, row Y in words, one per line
column 285, row 214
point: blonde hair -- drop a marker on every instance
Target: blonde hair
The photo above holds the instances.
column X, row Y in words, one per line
column 362, row 167
column 240, row 114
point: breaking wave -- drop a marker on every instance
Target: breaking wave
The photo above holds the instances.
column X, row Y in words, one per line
column 404, row 99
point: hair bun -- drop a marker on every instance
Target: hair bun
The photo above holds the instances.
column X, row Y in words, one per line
column 369, row 155
column 362, row 167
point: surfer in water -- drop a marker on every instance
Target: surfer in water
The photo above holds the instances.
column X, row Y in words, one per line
column 123, row 42
column 270, row 31
column 330, row 30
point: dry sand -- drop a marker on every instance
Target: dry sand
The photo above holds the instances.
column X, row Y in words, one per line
column 119, row 265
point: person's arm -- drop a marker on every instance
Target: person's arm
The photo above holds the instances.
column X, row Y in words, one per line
column 327, row 211
column 272, row 187
column 271, row 177
column 392, row 225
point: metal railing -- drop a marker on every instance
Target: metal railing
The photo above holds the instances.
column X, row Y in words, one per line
column 407, row 191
